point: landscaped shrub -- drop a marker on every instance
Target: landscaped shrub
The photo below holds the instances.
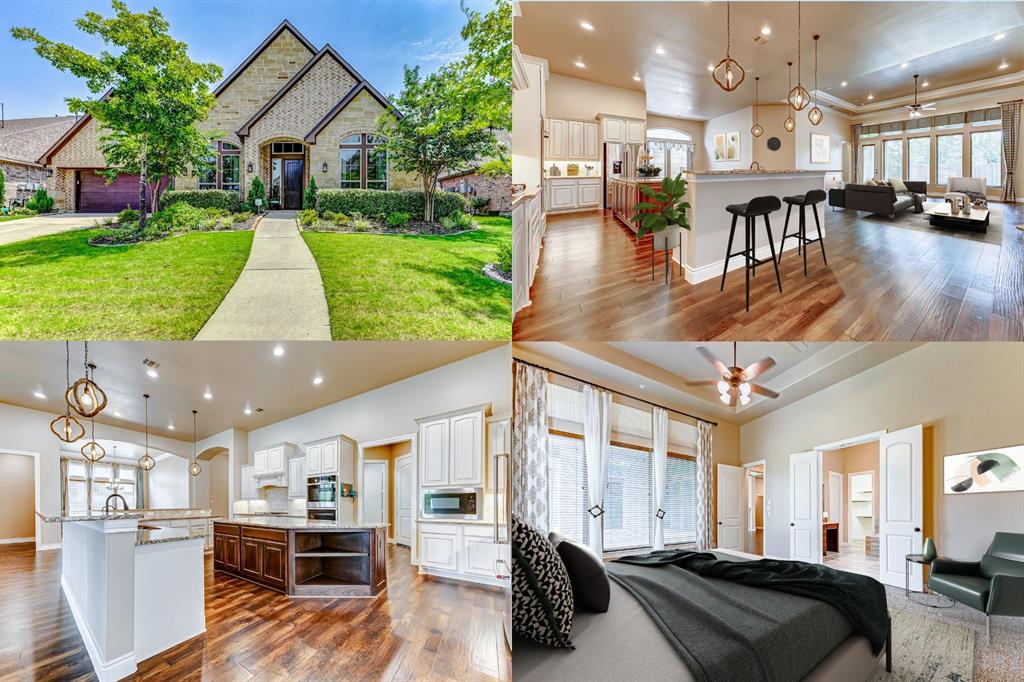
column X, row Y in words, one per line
column 257, row 191
column 225, row 199
column 479, row 204
column 309, row 196
column 179, row 217
column 505, row 258
column 338, row 218
column 360, row 224
column 308, row 217
column 41, row 202
column 128, row 215
column 459, row 221
column 398, row 219
column 376, row 201
column 3, row 183
column 22, row 210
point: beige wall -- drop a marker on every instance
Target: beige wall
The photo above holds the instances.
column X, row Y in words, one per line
column 218, row 473
column 17, row 496
column 772, row 118
column 858, row 458
column 968, row 396
column 694, row 128
column 568, row 97
column 740, row 120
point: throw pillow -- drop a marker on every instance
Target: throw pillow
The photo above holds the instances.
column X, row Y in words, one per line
column 542, row 603
column 590, row 588
column 898, row 185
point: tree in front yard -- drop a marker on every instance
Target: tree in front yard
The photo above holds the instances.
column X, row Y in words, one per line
column 156, row 93
column 437, row 132
column 487, row 68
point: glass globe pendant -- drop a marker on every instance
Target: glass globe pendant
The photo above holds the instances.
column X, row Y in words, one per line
column 798, row 97
column 815, row 115
column 193, row 468
column 93, row 451
column 756, row 130
column 146, row 462
column 728, row 74
column 790, row 124
column 66, row 427
column 84, row 396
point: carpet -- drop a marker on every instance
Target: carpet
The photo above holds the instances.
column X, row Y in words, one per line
column 925, row 649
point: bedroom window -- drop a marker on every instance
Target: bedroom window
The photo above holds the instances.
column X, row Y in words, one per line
column 567, row 486
column 628, row 514
column 680, row 521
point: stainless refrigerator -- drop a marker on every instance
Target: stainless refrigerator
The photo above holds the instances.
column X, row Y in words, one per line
column 620, row 161
column 503, row 528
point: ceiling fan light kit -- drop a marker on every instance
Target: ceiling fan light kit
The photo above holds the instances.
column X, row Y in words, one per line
column 798, row 97
column 728, row 74
column 915, row 109
column 735, row 387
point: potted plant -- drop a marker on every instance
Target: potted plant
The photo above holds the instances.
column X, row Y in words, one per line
column 664, row 215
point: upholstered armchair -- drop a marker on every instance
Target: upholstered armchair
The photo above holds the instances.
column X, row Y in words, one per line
column 994, row 585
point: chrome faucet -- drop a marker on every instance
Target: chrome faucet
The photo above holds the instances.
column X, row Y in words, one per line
column 755, row 163
column 108, row 507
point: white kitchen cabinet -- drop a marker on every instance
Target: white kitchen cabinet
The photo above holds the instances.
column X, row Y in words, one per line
column 439, row 551
column 479, row 551
column 467, row 450
column 588, row 193
column 563, row 195
column 636, row 132
column 613, row 129
column 330, row 457
column 461, row 551
column 248, row 482
column 297, row 477
column 275, row 459
column 259, row 459
column 452, row 448
column 575, row 139
column 434, row 458
column 591, row 147
column 556, row 139
column 314, row 459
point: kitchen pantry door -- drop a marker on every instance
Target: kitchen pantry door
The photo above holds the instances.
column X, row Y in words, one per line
column 404, row 499
column 900, row 505
column 805, row 507
column 375, row 491
column 730, row 507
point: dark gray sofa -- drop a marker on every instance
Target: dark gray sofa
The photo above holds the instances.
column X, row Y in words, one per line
column 883, row 199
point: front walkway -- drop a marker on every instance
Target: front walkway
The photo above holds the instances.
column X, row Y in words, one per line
column 43, row 225
column 278, row 296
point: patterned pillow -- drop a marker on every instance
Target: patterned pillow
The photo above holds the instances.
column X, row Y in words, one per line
column 542, row 602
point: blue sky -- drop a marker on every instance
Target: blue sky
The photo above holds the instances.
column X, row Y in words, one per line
column 377, row 37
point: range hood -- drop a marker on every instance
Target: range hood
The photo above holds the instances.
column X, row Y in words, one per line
column 272, row 481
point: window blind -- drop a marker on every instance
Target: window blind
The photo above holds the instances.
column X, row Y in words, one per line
column 628, row 515
column 567, row 487
column 680, row 522
column 991, row 115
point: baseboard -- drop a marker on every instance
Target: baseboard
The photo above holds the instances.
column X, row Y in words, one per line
column 462, row 577
column 13, row 541
column 52, row 545
column 183, row 639
column 106, row 671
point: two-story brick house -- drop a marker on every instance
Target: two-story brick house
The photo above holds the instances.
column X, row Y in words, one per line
column 288, row 112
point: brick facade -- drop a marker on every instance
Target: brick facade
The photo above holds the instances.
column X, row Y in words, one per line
column 26, row 174
column 473, row 185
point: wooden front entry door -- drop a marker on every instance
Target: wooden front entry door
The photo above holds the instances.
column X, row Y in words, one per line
column 292, row 184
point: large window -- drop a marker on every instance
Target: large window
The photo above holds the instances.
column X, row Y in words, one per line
column 628, row 516
column 893, row 157
column 363, row 166
column 987, row 157
column 567, row 487
column 671, row 150
column 919, row 159
column 949, row 157
column 103, row 479
column 224, row 171
column 867, row 162
column 680, row 522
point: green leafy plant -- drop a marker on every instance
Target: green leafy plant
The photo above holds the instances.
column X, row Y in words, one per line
column 257, row 191
column 23, row 210
column 41, row 202
column 665, row 207
column 398, row 219
column 360, row 223
column 224, row 199
column 377, row 201
column 479, row 204
column 242, row 217
column 504, row 263
column 457, row 222
column 308, row 217
column 127, row 216
column 3, row 184
column 309, row 197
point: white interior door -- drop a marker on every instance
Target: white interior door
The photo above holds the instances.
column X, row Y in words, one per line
column 900, row 505
column 375, row 492
column 805, row 507
column 404, row 499
column 730, row 507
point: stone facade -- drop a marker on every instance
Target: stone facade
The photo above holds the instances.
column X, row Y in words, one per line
column 17, row 173
column 473, row 185
column 81, row 151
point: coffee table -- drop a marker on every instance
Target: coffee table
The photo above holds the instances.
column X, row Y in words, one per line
column 975, row 220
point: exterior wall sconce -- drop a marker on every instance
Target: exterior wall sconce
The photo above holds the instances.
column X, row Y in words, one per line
column 248, row 168
column 49, row 172
column 325, row 167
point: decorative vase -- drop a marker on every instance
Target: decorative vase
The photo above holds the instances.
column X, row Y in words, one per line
column 928, row 553
column 667, row 238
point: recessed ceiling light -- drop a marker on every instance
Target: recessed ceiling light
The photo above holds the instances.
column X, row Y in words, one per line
column 711, row 67
column 586, row 26
column 152, row 373
column 39, row 394
column 870, row 96
column 843, row 84
column 248, row 410
column 766, row 30
column 636, row 77
column 660, row 50
column 278, row 351
column 641, row 385
column 1000, row 36
column 904, row 65
column 116, row 413
column 580, row 65
column 208, row 395
column 924, row 85
column 317, row 380
column 1004, row 65
column 170, row 427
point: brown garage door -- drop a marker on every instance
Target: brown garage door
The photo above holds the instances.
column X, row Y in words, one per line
column 96, row 196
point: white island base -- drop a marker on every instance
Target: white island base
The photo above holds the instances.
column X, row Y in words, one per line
column 133, row 594
column 709, row 192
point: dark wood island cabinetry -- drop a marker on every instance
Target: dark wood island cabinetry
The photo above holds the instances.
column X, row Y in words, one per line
column 303, row 558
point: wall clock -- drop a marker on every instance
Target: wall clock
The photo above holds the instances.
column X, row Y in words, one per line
column 774, row 143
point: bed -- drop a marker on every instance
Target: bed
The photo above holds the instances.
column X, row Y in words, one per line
column 626, row 643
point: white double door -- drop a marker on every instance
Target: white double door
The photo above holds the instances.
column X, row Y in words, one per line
column 375, row 496
column 900, row 505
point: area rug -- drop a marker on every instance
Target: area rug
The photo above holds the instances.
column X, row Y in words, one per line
column 928, row 650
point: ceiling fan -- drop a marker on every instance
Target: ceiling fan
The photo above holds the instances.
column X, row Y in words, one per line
column 735, row 386
column 915, row 108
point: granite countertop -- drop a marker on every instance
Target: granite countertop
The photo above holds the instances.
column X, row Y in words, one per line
column 160, row 535
column 636, row 180
column 141, row 514
column 769, row 171
column 464, row 522
column 289, row 522
column 528, row 193
column 271, row 516
column 174, row 514
column 572, row 177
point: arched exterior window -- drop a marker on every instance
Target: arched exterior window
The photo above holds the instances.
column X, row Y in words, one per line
column 671, row 150
column 363, row 166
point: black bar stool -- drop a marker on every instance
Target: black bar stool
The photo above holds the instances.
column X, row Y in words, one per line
column 812, row 199
column 760, row 206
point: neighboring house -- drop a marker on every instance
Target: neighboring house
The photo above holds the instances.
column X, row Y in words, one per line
column 22, row 140
column 287, row 112
column 472, row 184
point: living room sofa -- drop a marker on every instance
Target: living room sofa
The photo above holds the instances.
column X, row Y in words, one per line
column 883, row 199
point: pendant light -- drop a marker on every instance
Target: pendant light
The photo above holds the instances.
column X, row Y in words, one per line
column 84, row 396
column 757, row 130
column 728, row 74
column 66, row 427
column 798, row 96
column 815, row 115
column 93, row 451
column 146, row 462
column 194, row 467
column 790, row 124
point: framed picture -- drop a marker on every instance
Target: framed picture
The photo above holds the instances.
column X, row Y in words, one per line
column 821, row 146
column 727, row 146
column 987, row 471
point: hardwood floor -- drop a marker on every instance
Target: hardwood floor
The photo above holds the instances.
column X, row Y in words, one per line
column 895, row 280
column 851, row 558
column 420, row 629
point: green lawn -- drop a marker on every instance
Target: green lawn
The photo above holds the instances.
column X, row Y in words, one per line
column 410, row 287
column 59, row 287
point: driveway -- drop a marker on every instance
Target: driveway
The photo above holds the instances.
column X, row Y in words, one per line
column 42, row 225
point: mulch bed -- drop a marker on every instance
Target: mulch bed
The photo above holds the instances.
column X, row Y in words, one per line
column 414, row 227
column 114, row 237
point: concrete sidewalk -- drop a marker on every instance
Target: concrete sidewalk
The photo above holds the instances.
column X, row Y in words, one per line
column 278, row 296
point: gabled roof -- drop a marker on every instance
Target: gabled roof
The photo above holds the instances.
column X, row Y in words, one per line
column 284, row 25
column 45, row 158
column 344, row 102
column 327, row 51
column 23, row 139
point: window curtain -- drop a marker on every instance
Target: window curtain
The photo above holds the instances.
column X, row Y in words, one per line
column 140, row 488
column 65, row 504
column 530, row 446
column 705, row 488
column 659, row 432
column 855, row 157
column 1011, row 141
column 597, row 433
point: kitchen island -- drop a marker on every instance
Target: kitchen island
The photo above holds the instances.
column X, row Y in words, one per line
column 303, row 558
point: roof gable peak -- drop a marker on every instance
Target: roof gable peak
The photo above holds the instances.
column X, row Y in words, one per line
column 285, row 25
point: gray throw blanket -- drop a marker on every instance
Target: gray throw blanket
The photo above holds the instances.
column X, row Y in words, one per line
column 752, row 621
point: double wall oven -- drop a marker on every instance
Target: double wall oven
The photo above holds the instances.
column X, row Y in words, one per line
column 322, row 498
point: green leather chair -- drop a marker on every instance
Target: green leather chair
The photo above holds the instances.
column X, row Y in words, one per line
column 994, row 585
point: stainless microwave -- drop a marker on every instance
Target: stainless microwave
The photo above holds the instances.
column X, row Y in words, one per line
column 452, row 503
